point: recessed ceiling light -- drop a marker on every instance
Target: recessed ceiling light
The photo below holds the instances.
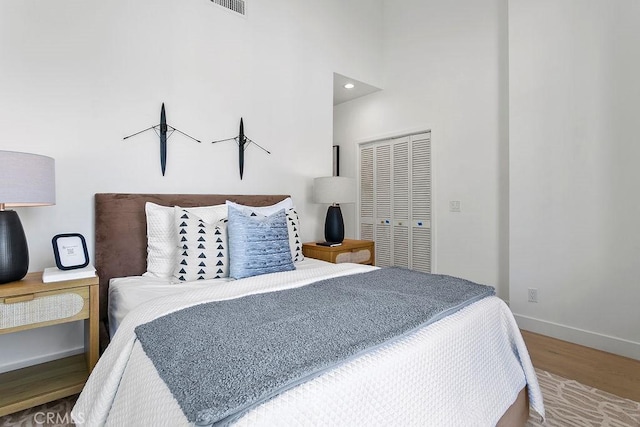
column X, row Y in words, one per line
column 349, row 86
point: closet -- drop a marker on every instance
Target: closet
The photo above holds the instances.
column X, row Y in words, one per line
column 395, row 200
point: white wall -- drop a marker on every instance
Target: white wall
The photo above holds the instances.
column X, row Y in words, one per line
column 445, row 68
column 77, row 76
column 574, row 152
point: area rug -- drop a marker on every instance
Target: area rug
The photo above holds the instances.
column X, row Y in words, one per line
column 52, row 414
column 567, row 403
column 570, row 403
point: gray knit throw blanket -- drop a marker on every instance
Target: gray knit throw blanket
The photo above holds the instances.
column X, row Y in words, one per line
column 220, row 359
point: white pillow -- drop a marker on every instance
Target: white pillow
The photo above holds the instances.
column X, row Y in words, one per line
column 162, row 235
column 263, row 210
column 202, row 248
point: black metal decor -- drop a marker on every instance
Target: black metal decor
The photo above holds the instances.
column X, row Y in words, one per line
column 161, row 130
column 243, row 142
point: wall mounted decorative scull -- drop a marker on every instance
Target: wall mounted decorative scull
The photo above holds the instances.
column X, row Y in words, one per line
column 161, row 130
column 242, row 142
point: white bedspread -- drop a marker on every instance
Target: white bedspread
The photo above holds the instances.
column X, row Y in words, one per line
column 126, row 293
column 466, row 369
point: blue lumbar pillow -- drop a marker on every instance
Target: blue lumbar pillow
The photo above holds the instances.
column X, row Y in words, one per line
column 258, row 244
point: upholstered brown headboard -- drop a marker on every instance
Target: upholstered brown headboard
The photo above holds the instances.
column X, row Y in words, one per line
column 121, row 233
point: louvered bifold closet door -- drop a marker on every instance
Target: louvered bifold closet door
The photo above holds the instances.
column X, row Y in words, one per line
column 382, row 205
column 395, row 200
column 366, row 193
column 421, row 202
column 400, row 196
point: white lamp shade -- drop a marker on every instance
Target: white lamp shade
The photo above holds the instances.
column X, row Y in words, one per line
column 334, row 189
column 27, row 179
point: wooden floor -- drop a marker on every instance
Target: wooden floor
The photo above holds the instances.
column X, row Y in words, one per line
column 609, row 372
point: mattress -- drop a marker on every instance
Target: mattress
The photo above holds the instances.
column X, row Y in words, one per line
column 126, row 293
column 465, row 369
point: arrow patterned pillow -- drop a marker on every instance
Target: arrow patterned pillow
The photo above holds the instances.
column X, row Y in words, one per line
column 161, row 235
column 295, row 244
column 202, row 248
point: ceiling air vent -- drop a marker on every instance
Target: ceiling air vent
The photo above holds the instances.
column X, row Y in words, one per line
column 233, row 5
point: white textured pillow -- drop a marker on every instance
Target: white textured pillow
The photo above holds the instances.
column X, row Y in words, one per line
column 202, row 251
column 263, row 210
column 162, row 235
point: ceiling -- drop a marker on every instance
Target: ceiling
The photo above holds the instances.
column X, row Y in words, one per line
column 341, row 94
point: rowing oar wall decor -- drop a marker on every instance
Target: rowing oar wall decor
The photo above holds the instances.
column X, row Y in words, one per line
column 161, row 130
column 243, row 142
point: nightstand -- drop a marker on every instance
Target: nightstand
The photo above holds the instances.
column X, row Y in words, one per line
column 29, row 304
column 356, row 251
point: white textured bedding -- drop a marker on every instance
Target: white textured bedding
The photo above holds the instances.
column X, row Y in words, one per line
column 466, row 369
column 126, row 293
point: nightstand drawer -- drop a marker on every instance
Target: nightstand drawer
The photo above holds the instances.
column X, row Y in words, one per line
column 357, row 256
column 355, row 251
column 43, row 308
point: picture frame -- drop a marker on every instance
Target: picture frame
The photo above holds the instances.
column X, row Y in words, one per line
column 70, row 251
column 336, row 160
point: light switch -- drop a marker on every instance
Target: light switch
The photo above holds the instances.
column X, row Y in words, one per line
column 454, row 206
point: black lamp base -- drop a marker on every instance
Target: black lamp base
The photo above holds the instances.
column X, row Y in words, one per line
column 14, row 253
column 334, row 225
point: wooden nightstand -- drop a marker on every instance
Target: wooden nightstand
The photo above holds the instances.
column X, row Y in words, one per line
column 28, row 304
column 356, row 251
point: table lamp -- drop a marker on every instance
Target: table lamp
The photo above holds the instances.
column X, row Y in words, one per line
column 25, row 180
column 334, row 190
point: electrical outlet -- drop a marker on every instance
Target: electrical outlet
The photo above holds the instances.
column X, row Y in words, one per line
column 533, row 295
column 454, row 206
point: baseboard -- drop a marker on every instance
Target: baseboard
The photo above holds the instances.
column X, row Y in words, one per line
column 40, row 359
column 591, row 339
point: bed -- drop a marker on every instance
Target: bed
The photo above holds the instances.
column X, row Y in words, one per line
column 470, row 368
